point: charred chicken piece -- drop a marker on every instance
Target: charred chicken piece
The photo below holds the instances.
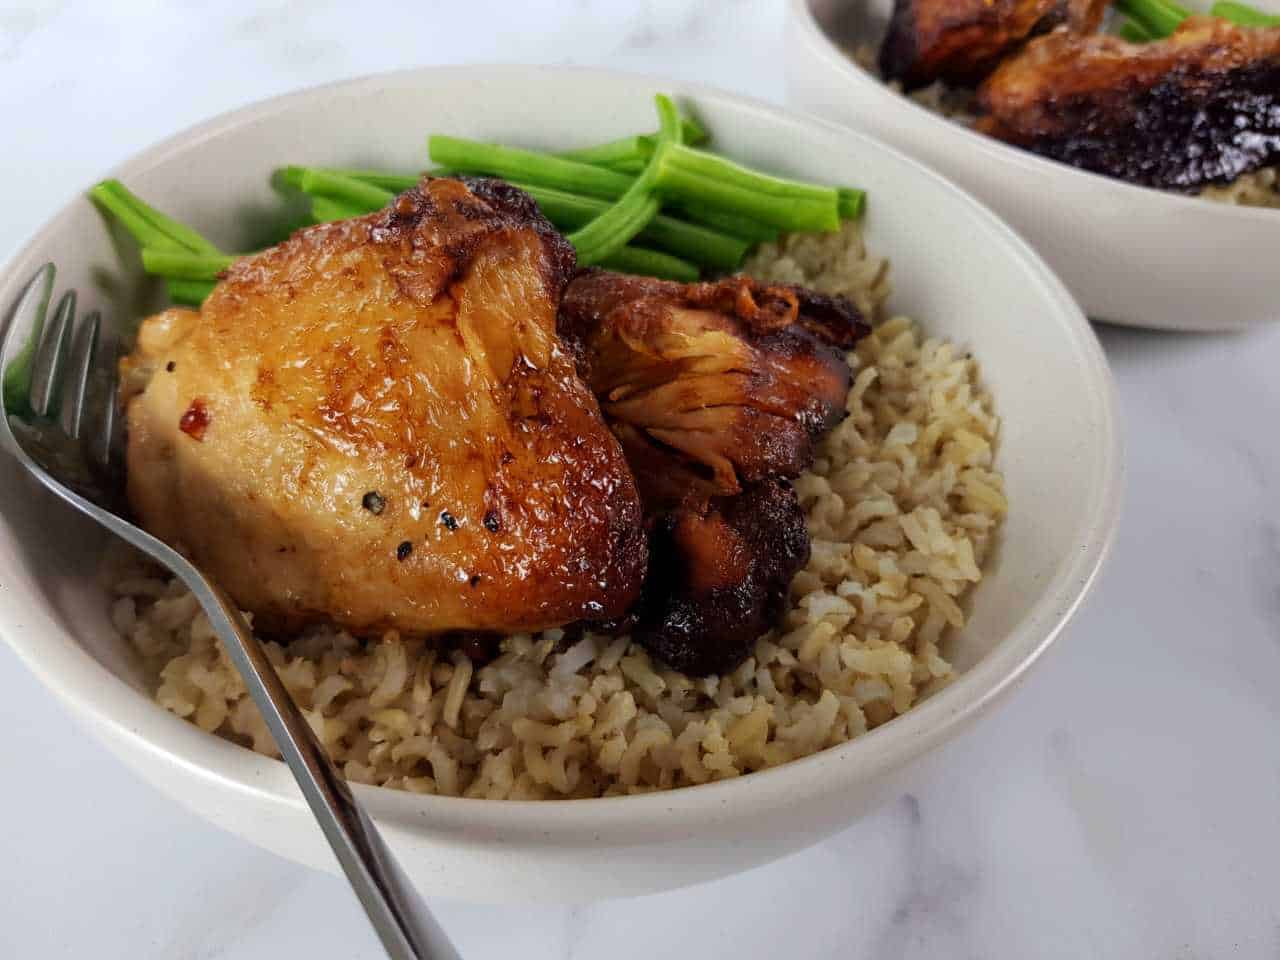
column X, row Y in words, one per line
column 375, row 423
column 718, row 577
column 710, row 385
column 1200, row 107
column 961, row 41
column 717, row 391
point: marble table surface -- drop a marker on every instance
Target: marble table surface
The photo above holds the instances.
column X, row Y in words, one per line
column 1125, row 802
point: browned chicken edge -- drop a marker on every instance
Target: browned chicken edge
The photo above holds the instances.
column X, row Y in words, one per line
column 961, row 41
column 1200, row 107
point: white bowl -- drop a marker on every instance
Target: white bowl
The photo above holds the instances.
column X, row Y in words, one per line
column 957, row 268
column 1130, row 254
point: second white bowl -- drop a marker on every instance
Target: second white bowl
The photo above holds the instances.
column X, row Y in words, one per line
column 1129, row 254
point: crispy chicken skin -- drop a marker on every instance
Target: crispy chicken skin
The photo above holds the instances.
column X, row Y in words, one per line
column 1200, row 107
column 710, row 385
column 961, row 41
column 718, row 391
column 375, row 423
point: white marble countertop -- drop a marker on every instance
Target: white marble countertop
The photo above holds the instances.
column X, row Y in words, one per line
column 1124, row 803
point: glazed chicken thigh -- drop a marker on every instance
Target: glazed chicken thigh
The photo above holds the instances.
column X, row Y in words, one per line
column 719, row 392
column 961, row 41
column 375, row 423
column 1199, row 107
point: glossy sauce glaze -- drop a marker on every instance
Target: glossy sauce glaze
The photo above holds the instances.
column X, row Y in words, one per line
column 393, row 435
column 961, row 41
column 1198, row 108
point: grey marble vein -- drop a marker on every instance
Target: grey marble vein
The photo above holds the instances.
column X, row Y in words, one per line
column 931, row 908
column 1267, row 572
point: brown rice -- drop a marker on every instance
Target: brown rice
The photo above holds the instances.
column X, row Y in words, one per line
column 903, row 502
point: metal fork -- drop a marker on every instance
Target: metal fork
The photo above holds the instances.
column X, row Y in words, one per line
column 66, row 433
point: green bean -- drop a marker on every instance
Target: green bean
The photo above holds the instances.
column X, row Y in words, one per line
column 179, row 232
column 650, row 263
column 339, row 194
column 148, row 226
column 187, row 260
column 395, row 182
column 628, row 165
column 631, row 153
column 611, row 230
column 185, row 266
column 718, row 249
column 710, row 248
column 1134, row 32
column 346, row 190
column 702, row 163
column 290, row 176
column 692, row 133
column 566, row 210
column 1158, row 17
column 785, row 204
column 714, row 249
column 324, row 210
column 138, row 226
column 610, row 154
column 744, row 228
column 528, row 166
column 669, row 127
column 852, row 202
column 188, row 292
column 1243, row 14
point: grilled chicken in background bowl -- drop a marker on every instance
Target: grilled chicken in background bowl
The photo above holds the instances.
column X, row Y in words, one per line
column 1132, row 254
column 984, row 307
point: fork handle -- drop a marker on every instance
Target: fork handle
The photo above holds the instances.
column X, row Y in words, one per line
column 402, row 921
